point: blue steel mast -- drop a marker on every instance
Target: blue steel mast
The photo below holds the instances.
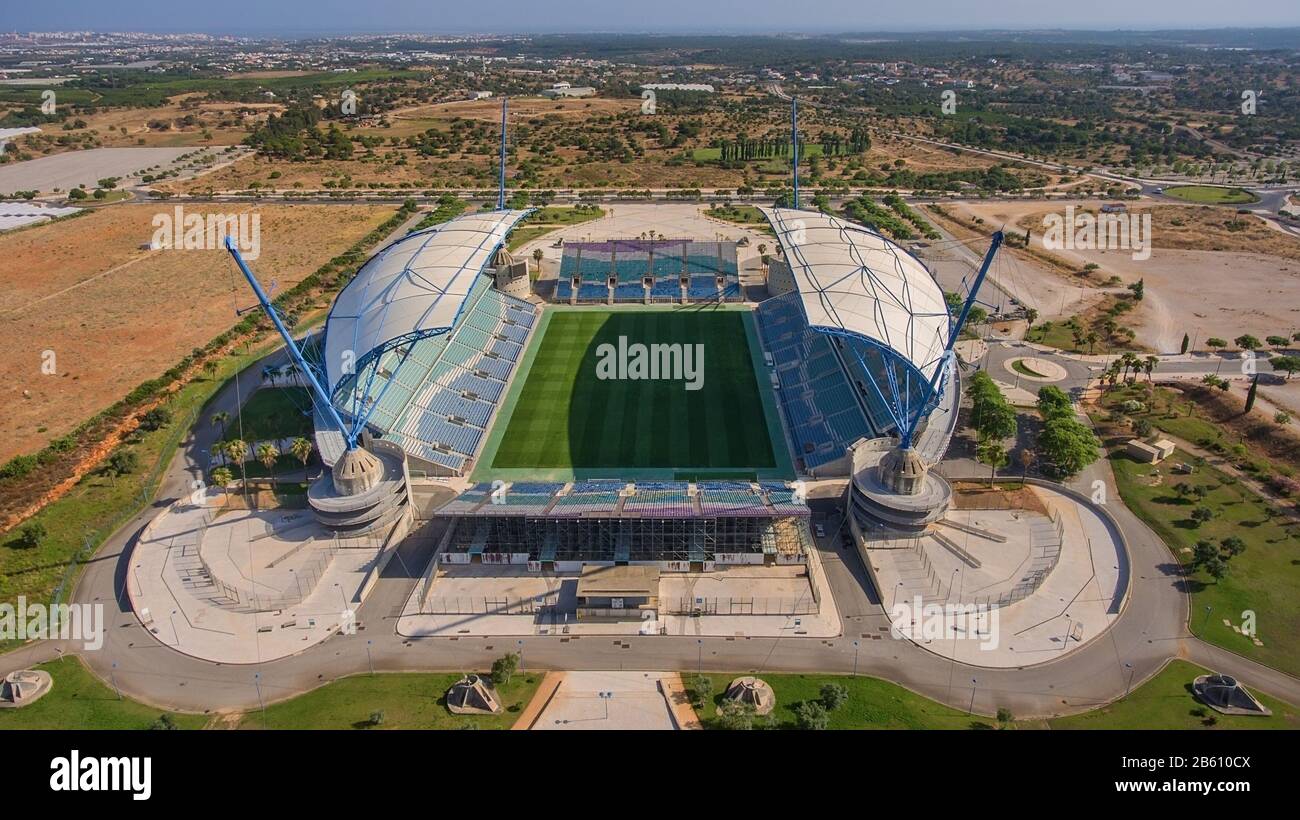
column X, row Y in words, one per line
column 794, row 142
column 952, row 336
column 322, row 397
column 501, row 185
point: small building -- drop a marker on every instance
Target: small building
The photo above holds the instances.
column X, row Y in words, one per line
column 566, row 90
column 617, row 593
column 1114, row 208
column 1150, row 452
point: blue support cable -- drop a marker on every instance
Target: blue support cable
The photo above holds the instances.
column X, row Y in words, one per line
column 295, row 354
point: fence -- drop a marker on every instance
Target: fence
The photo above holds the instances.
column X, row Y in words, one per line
column 738, row 606
column 488, row 605
column 149, row 484
column 305, row 577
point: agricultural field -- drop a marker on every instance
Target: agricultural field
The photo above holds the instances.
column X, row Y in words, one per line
column 105, row 314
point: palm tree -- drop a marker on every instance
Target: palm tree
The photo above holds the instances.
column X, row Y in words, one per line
column 1026, row 458
column 237, row 450
column 210, row 368
column 219, row 419
column 1149, row 365
column 222, row 477
column 302, row 449
column 269, row 373
column 267, row 454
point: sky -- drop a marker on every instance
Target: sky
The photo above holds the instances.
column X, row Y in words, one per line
column 302, row 17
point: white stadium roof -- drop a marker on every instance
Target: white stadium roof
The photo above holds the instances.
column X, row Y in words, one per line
column 413, row 287
column 852, row 279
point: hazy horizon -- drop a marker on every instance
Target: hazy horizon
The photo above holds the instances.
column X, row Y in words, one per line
column 671, row 17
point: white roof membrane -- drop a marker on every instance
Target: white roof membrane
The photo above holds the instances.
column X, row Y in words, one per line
column 852, row 279
column 413, row 287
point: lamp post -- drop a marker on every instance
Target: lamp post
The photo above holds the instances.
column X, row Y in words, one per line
column 894, row 602
column 521, row 656
column 115, row 686
column 257, row 684
column 971, row 709
column 1129, row 686
column 855, row 659
column 699, row 662
column 370, row 658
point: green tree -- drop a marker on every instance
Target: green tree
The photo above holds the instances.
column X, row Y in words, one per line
column 833, row 696
column 504, row 668
column 267, row 453
column 1068, row 445
column 122, row 462
column 220, row 419
column 164, row 723
column 812, row 715
column 736, row 716
column 992, row 453
column 1054, row 403
column 1201, row 514
column 31, row 534
column 302, row 448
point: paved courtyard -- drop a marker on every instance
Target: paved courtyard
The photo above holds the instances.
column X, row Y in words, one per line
column 609, row 700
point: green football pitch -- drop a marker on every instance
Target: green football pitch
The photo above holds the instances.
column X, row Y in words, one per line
column 566, row 419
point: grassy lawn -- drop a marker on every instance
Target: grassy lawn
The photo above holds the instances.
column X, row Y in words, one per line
column 409, row 700
column 746, row 215
column 80, row 701
column 1166, row 702
column 1211, row 195
column 101, row 503
column 544, row 220
column 1263, row 579
column 872, row 704
column 567, row 416
column 1025, row 370
column 274, row 413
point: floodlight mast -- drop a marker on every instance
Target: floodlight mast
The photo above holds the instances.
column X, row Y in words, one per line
column 794, row 144
column 501, row 185
column 322, row 397
column 952, row 336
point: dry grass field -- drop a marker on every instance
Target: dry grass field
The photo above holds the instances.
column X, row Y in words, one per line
column 115, row 315
column 1211, row 272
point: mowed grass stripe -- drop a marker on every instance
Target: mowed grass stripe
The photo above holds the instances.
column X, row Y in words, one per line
column 567, row 418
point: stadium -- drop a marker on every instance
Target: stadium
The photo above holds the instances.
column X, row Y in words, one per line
column 443, row 349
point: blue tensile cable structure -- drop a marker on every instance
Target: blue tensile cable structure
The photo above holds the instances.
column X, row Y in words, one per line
column 349, row 436
column 909, row 346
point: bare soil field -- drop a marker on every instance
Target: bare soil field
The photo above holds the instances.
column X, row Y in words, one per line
column 69, row 170
column 115, row 315
column 1201, row 278
column 1049, row 290
column 213, row 123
